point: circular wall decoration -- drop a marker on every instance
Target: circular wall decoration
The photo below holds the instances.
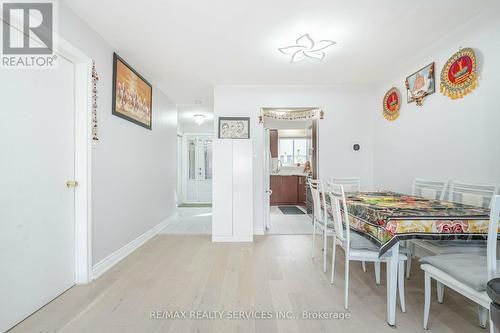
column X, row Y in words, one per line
column 392, row 102
column 459, row 74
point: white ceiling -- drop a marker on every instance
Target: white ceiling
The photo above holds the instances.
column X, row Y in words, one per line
column 187, row 46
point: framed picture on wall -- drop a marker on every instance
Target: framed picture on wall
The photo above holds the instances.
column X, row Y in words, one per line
column 234, row 128
column 132, row 94
column 420, row 84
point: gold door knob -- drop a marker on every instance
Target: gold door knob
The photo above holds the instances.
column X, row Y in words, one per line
column 71, row 183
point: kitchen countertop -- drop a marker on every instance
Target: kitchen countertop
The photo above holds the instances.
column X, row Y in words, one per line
column 290, row 171
column 290, row 174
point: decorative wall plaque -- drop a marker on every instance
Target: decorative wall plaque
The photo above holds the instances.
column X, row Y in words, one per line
column 459, row 74
column 391, row 104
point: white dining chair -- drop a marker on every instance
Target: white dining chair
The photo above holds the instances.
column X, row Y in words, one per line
column 350, row 184
column 355, row 246
column 319, row 216
column 465, row 273
column 429, row 189
column 479, row 195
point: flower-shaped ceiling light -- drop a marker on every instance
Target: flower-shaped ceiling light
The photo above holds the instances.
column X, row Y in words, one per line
column 307, row 47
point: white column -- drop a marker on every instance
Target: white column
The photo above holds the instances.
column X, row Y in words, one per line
column 232, row 191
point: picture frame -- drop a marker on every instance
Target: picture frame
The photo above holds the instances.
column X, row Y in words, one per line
column 132, row 94
column 234, row 128
column 421, row 84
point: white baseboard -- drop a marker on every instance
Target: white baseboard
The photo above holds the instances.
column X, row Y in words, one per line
column 234, row 239
column 102, row 266
column 259, row 230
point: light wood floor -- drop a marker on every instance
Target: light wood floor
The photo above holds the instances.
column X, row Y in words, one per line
column 191, row 221
column 173, row 272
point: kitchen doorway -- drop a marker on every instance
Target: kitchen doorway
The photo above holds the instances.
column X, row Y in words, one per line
column 291, row 157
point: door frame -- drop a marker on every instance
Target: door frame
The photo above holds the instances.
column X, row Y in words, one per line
column 267, row 172
column 185, row 164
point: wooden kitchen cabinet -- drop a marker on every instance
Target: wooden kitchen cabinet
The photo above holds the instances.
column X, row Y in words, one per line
column 276, row 188
column 273, row 141
column 288, row 190
column 301, row 190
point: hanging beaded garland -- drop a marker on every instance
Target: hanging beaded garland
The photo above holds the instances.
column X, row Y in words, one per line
column 95, row 79
column 299, row 114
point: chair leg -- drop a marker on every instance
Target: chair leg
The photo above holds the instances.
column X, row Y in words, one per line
column 427, row 299
column 377, row 271
column 363, row 265
column 334, row 252
column 346, row 283
column 440, row 292
column 483, row 316
column 408, row 265
column 401, row 285
column 313, row 236
column 325, row 250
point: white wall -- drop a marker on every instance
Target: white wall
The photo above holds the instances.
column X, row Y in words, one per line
column 134, row 169
column 191, row 127
column 444, row 139
column 347, row 120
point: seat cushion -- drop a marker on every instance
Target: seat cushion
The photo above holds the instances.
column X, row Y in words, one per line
column 493, row 289
column 359, row 242
column 470, row 269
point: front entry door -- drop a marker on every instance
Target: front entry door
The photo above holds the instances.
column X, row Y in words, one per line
column 199, row 169
column 37, row 149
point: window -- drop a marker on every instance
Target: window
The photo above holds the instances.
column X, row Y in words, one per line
column 207, row 151
column 292, row 151
column 192, row 158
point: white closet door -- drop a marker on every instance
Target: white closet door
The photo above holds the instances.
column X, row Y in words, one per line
column 37, row 246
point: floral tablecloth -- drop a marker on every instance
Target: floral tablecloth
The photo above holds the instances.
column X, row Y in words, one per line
column 388, row 217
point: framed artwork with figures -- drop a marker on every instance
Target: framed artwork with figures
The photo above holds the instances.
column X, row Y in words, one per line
column 132, row 94
column 234, row 128
column 420, row 84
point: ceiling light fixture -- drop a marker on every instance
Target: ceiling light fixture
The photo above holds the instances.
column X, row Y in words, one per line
column 306, row 47
column 199, row 119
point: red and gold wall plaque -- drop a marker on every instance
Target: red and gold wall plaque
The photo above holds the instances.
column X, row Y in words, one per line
column 459, row 74
column 392, row 102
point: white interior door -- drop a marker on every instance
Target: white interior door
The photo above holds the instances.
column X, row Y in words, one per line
column 37, row 245
column 199, row 168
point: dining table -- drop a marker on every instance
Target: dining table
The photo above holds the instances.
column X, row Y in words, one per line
column 386, row 218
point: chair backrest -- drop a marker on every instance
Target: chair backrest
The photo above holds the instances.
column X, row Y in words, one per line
column 479, row 195
column 340, row 213
column 350, row 184
column 318, row 196
column 492, row 237
column 429, row 189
